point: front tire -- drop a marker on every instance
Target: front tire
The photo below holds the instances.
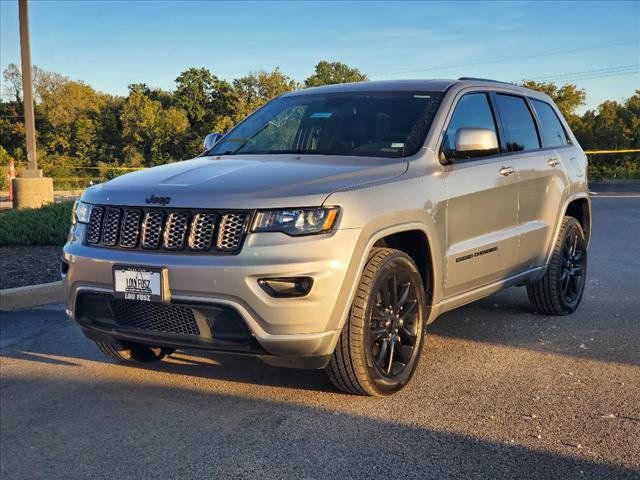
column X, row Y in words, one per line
column 381, row 342
column 560, row 291
column 133, row 353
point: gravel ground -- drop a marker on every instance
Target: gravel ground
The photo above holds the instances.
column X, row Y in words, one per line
column 29, row 265
column 500, row 393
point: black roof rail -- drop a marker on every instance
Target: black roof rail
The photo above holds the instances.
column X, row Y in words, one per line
column 484, row 80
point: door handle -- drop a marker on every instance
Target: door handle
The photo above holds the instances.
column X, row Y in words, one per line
column 506, row 171
column 553, row 162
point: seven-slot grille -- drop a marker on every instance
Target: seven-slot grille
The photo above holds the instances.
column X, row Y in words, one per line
column 168, row 230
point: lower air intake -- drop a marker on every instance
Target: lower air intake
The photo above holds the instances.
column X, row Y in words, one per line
column 174, row 319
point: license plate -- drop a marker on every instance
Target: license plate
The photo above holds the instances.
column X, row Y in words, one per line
column 144, row 284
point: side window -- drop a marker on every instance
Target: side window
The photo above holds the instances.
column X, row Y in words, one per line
column 472, row 111
column 518, row 123
column 553, row 135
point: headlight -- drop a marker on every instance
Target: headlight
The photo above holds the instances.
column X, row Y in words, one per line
column 297, row 221
column 81, row 212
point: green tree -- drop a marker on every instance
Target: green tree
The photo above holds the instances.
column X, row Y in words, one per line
column 47, row 83
column 12, row 129
column 151, row 133
column 612, row 125
column 70, row 120
column 163, row 96
column 568, row 97
column 203, row 97
column 328, row 73
column 13, row 78
column 631, row 115
column 254, row 90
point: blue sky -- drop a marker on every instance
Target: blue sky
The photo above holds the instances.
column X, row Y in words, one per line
column 111, row 44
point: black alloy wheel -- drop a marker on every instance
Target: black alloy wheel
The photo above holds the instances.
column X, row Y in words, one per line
column 380, row 344
column 560, row 289
column 572, row 267
column 393, row 324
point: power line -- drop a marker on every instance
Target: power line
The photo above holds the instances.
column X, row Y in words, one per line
column 595, row 77
column 592, row 71
column 587, row 78
column 586, row 74
column 508, row 59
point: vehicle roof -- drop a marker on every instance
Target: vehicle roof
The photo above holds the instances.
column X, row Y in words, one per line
column 439, row 85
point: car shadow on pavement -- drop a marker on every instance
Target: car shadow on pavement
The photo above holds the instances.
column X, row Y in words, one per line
column 46, row 336
column 240, row 369
column 61, row 342
column 506, row 318
column 98, row 428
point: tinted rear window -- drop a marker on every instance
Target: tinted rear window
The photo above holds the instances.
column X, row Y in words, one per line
column 518, row 122
column 553, row 135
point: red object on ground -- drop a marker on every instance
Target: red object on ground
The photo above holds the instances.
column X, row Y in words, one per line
column 11, row 175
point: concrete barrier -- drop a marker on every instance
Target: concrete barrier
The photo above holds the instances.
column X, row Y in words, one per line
column 32, row 192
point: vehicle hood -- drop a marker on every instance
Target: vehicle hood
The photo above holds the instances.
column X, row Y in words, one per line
column 243, row 181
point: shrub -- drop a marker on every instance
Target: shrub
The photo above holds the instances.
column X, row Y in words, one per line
column 625, row 168
column 48, row 225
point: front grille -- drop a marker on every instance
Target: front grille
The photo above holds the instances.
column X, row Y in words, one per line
column 151, row 229
column 174, row 230
column 167, row 229
column 95, row 225
column 230, row 231
column 111, row 227
column 175, row 319
column 130, row 230
column 202, row 229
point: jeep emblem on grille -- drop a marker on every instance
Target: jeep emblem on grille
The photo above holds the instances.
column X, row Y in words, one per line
column 159, row 200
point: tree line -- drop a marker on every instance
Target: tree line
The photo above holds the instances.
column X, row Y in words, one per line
column 85, row 133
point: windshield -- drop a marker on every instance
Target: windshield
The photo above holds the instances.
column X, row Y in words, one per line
column 376, row 124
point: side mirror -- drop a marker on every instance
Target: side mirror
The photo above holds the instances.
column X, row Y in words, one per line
column 476, row 142
column 211, row 139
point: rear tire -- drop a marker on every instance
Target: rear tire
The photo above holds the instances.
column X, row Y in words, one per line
column 132, row 353
column 381, row 342
column 560, row 291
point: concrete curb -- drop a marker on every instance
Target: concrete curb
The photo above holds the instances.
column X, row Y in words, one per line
column 615, row 187
column 31, row 296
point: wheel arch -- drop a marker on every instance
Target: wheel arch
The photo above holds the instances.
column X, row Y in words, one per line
column 580, row 209
column 578, row 204
column 415, row 243
column 377, row 234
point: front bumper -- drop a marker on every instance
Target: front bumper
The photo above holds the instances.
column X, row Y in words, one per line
column 290, row 327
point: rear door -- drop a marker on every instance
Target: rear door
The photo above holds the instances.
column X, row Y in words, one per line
column 532, row 137
column 482, row 221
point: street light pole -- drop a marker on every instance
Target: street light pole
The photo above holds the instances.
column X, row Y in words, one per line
column 27, row 91
column 31, row 190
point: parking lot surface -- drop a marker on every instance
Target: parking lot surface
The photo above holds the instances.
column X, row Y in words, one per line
column 501, row 392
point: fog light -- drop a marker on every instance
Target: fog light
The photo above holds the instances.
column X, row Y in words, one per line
column 286, row 287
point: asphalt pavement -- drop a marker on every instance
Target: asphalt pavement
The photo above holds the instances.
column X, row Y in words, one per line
column 500, row 392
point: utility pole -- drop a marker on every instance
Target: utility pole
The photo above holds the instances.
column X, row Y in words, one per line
column 27, row 90
column 31, row 190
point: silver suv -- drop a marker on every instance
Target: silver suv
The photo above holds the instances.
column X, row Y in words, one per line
column 332, row 225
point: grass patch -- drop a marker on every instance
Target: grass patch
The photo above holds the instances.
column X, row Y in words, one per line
column 48, row 225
